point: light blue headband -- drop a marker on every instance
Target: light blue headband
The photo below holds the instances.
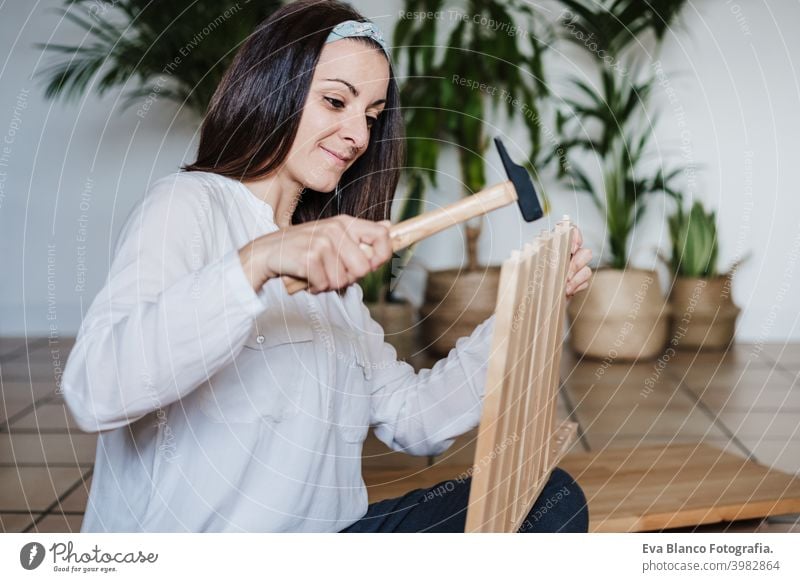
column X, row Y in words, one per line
column 351, row 28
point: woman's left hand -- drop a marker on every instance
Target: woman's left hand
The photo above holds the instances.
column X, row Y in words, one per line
column 579, row 273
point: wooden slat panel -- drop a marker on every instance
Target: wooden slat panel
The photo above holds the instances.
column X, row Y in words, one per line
column 513, row 457
column 665, row 486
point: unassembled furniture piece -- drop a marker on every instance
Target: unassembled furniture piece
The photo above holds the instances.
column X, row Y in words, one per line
column 518, row 442
column 651, row 486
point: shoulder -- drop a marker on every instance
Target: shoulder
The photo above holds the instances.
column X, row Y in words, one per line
column 181, row 187
column 174, row 206
column 172, row 225
column 182, row 195
column 182, row 179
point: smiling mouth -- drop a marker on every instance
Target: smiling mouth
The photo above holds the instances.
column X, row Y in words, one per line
column 338, row 160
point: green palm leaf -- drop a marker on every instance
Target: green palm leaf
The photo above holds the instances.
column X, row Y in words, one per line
column 183, row 47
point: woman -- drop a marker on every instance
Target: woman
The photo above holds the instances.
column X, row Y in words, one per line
column 222, row 402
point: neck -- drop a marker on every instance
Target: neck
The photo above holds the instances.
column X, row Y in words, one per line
column 280, row 192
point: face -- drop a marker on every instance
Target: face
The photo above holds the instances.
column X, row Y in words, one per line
column 348, row 93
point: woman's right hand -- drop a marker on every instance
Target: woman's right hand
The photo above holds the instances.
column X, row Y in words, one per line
column 326, row 252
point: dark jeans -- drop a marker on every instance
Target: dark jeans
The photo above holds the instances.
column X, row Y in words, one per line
column 561, row 507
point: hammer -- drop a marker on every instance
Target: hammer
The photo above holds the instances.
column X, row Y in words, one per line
column 518, row 187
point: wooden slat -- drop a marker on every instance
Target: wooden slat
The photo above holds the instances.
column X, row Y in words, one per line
column 543, row 359
column 563, row 246
column 496, row 373
column 513, row 389
column 530, row 403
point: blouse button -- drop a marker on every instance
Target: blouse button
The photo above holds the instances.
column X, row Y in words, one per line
column 260, row 339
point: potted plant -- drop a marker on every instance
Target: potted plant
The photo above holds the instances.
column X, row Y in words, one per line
column 703, row 313
column 447, row 93
column 623, row 314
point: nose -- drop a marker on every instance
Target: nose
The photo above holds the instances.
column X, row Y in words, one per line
column 355, row 131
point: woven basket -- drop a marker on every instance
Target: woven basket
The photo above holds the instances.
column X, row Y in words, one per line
column 703, row 313
column 622, row 316
column 456, row 301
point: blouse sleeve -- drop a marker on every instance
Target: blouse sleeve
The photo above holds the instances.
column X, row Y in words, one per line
column 167, row 317
column 422, row 413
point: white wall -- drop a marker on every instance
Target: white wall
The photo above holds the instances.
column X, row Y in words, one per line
column 73, row 171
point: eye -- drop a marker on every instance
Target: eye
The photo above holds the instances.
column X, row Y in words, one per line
column 335, row 103
column 371, row 121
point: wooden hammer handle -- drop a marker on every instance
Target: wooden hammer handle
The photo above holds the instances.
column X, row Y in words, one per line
column 406, row 233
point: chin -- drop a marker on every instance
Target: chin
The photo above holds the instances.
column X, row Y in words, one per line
column 324, row 185
column 321, row 187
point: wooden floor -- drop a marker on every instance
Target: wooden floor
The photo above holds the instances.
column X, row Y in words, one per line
column 745, row 402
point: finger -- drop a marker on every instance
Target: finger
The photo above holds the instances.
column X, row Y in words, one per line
column 315, row 274
column 376, row 235
column 352, row 258
column 353, row 262
column 322, row 262
column 577, row 239
column 573, row 289
column 582, row 258
column 335, row 269
column 581, row 277
column 579, row 260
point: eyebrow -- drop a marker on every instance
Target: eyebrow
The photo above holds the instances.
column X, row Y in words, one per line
column 354, row 91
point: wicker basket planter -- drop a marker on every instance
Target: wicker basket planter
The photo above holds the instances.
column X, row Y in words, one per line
column 622, row 316
column 456, row 301
column 703, row 313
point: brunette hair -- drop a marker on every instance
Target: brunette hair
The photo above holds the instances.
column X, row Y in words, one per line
column 253, row 117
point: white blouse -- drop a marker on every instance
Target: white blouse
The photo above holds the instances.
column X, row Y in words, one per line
column 221, row 409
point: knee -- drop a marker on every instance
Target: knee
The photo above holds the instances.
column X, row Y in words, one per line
column 561, row 507
column 576, row 496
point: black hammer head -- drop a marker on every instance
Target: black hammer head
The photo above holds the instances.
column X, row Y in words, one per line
column 526, row 194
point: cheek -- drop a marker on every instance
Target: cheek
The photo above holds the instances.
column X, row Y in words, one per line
column 307, row 162
column 315, row 124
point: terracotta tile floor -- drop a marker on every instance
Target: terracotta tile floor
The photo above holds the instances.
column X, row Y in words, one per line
column 746, row 401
